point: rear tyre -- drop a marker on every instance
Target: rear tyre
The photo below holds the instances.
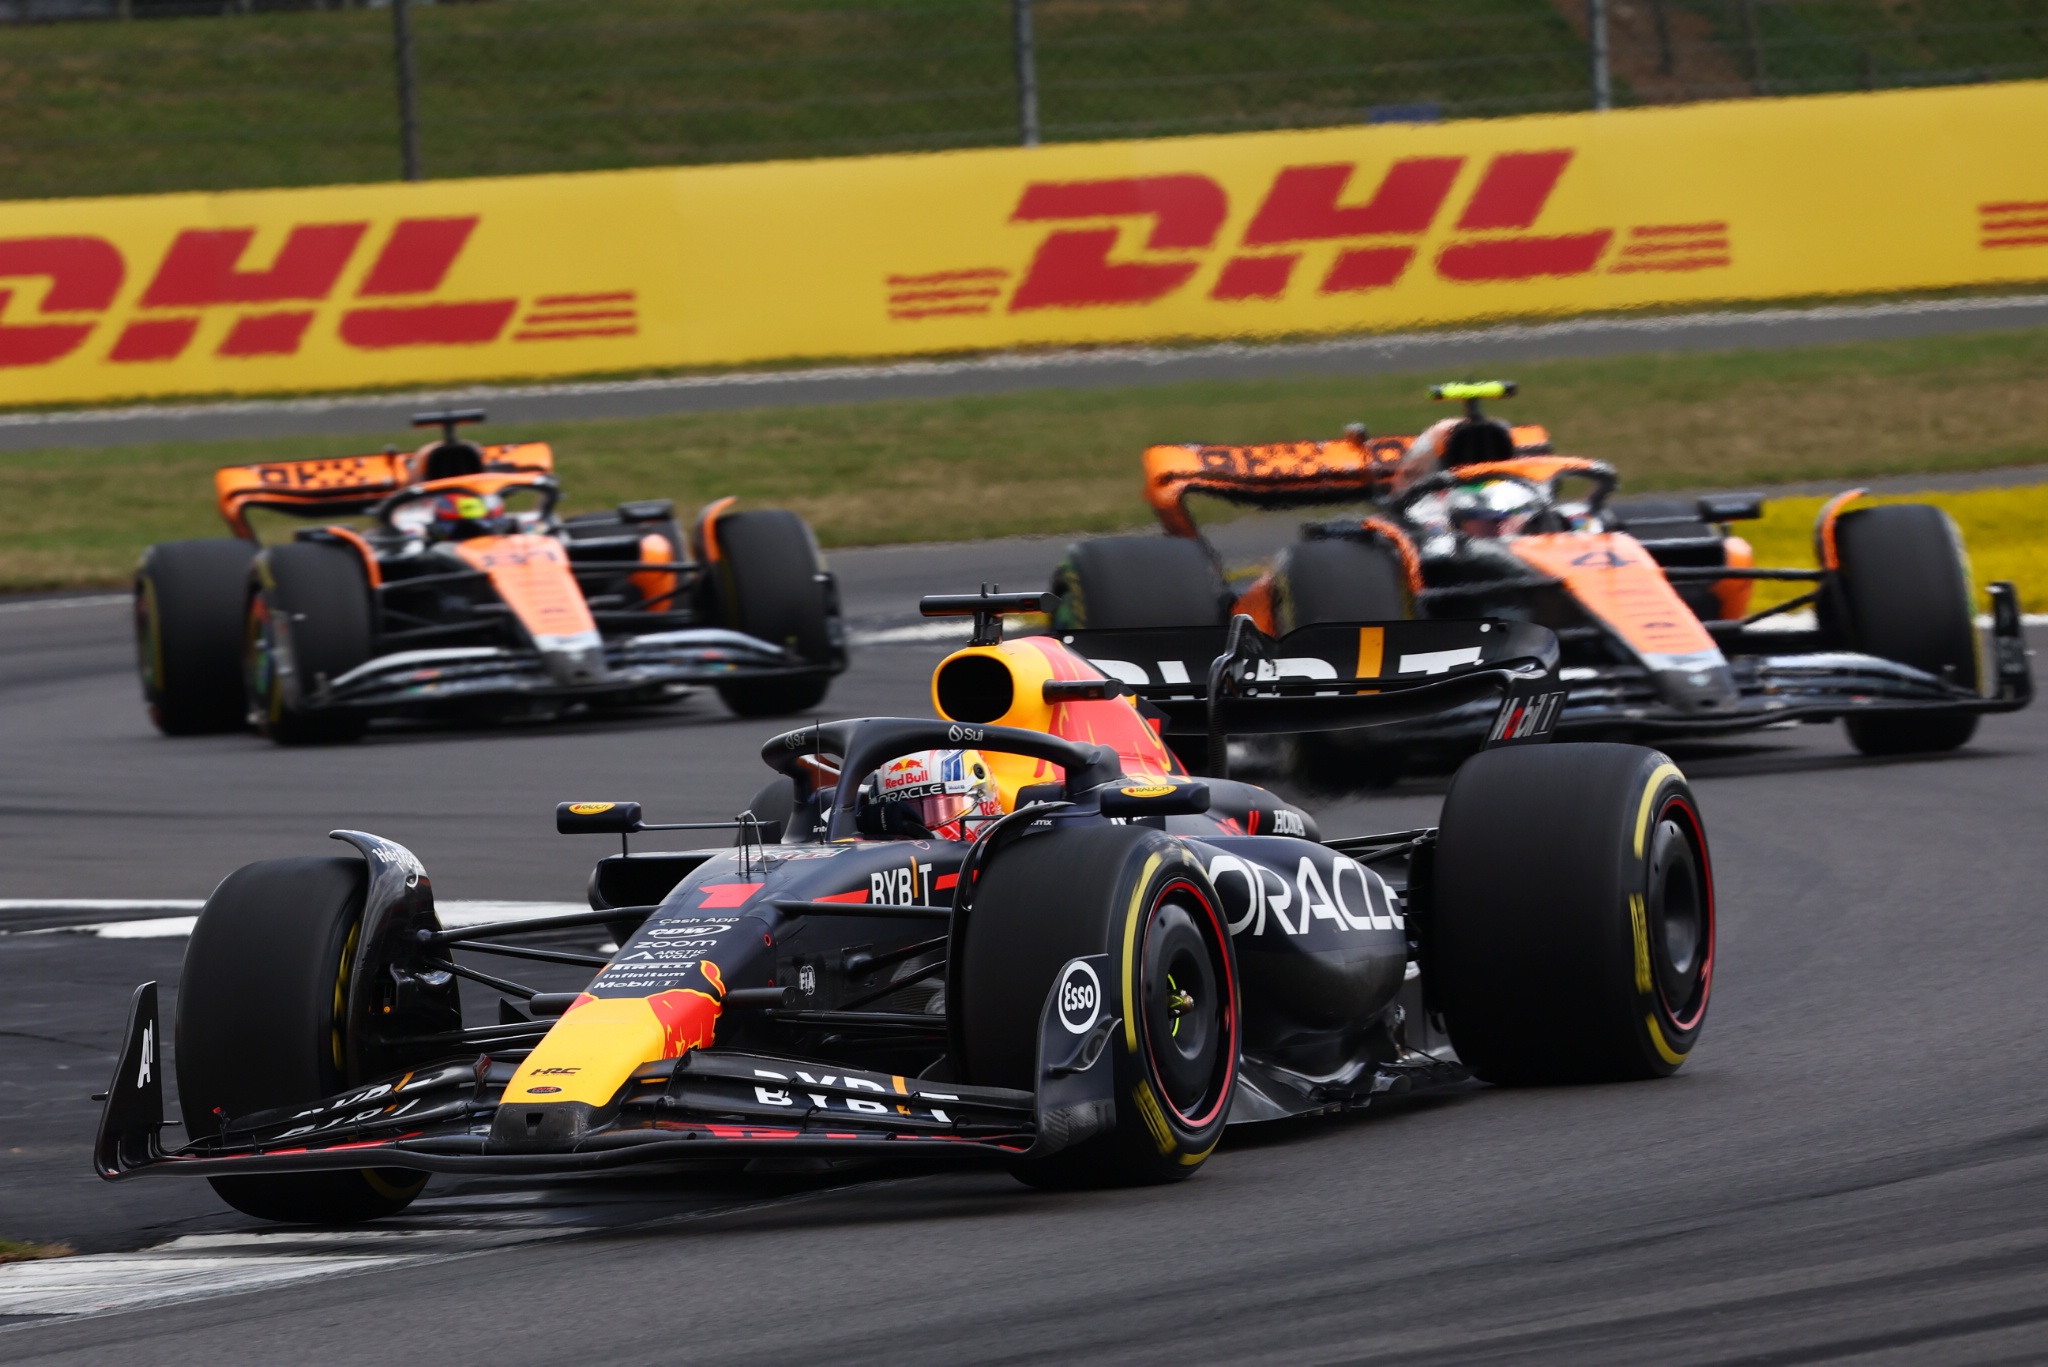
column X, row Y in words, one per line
column 1572, row 933
column 310, row 622
column 1341, row 581
column 1139, row 897
column 1903, row 593
column 188, row 634
column 1338, row 581
column 769, row 586
column 1119, row 582
column 259, row 1025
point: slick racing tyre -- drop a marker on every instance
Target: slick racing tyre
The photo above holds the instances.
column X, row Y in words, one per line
column 1571, row 936
column 1338, row 581
column 259, row 1025
column 188, row 634
column 310, row 622
column 1341, row 581
column 1903, row 593
column 768, row 586
column 1117, row 582
column 1138, row 896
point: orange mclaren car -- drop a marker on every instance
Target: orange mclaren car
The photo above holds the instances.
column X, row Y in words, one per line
column 1478, row 518
column 456, row 587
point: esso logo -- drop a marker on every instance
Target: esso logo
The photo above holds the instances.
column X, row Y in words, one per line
column 1080, row 998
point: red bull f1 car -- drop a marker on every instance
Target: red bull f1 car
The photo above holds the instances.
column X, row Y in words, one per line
column 458, row 589
column 1019, row 932
column 1650, row 600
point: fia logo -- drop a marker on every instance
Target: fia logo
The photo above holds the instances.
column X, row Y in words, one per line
column 807, row 980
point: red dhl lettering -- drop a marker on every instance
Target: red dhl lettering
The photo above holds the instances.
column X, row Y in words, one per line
column 276, row 305
column 1378, row 230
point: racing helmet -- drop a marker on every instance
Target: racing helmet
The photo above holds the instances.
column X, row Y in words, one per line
column 458, row 516
column 1491, row 508
column 939, row 791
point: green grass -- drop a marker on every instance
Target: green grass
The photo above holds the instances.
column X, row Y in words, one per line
column 16, row 1251
column 1067, row 461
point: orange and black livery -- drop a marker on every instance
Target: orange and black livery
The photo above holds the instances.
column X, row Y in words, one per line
column 1650, row 598
column 442, row 580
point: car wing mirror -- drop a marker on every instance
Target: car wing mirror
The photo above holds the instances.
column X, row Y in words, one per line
column 1731, row 507
column 597, row 818
column 1156, row 799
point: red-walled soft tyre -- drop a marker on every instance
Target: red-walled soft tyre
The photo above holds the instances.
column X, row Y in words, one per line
column 1138, row 896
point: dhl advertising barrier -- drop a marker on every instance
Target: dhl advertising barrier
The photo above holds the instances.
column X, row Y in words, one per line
column 1247, row 234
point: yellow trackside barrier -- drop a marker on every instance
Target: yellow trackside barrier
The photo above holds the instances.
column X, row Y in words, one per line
column 1247, row 234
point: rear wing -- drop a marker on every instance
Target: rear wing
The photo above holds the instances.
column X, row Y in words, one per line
column 1285, row 474
column 1219, row 682
column 335, row 486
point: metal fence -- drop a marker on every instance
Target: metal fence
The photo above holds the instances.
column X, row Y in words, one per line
column 258, row 92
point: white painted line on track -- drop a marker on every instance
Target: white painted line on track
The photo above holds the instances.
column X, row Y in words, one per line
column 200, row 1265
column 453, row 914
column 96, row 600
column 951, row 629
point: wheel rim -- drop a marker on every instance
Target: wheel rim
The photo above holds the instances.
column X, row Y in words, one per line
column 1186, row 1001
column 1680, row 908
column 149, row 641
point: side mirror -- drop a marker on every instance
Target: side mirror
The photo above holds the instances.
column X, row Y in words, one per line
column 1156, row 799
column 597, row 818
column 1731, row 507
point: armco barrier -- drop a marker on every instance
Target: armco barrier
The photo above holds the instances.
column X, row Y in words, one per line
column 1247, row 234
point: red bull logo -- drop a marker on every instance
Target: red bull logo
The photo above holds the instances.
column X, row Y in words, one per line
column 689, row 1018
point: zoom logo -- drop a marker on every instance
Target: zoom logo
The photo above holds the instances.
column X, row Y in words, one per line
column 1080, row 998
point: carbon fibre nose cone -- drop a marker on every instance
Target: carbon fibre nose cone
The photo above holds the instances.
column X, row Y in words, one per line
column 1700, row 690
column 543, row 1127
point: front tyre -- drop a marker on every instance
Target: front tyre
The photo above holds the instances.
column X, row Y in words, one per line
column 260, row 1025
column 1140, row 897
column 771, row 584
column 310, row 621
column 1902, row 593
column 1571, row 937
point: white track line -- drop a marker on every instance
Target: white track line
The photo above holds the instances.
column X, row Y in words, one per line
column 201, row 1265
column 97, row 600
column 954, row 629
column 454, row 914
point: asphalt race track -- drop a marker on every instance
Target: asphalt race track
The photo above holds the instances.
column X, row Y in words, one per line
column 1852, row 1169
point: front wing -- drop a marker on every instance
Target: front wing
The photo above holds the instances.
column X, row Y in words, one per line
column 709, row 1104
column 700, row 656
column 1807, row 686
